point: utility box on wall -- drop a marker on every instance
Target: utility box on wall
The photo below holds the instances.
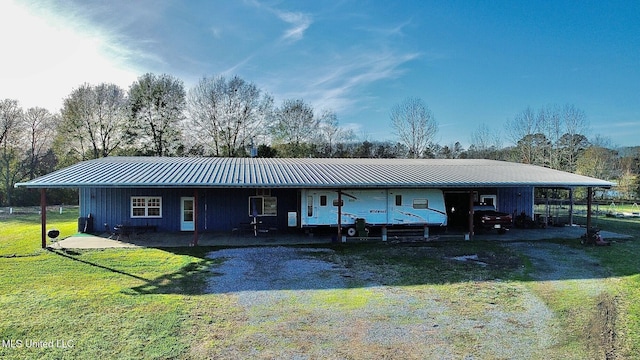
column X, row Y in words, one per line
column 292, row 219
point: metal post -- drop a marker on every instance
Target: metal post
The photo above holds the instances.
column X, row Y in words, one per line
column 195, row 217
column 339, row 215
column 589, row 203
column 570, row 206
column 471, row 215
column 43, row 217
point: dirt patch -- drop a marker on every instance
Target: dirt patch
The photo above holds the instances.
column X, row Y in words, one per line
column 317, row 303
column 602, row 327
column 562, row 270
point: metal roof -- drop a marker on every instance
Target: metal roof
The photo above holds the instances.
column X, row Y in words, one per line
column 305, row 173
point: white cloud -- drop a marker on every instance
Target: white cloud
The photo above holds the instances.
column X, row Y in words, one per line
column 45, row 57
column 338, row 86
column 299, row 24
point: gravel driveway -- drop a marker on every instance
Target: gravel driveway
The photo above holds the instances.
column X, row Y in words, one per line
column 312, row 303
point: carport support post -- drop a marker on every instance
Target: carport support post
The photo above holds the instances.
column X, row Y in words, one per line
column 43, row 216
column 195, row 217
column 340, row 215
column 471, row 215
column 570, row 206
column 589, row 201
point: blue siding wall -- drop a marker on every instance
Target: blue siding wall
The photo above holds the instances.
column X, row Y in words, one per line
column 516, row 200
column 225, row 209
column 512, row 200
column 218, row 209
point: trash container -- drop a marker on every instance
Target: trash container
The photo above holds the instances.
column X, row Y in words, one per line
column 361, row 227
column 85, row 224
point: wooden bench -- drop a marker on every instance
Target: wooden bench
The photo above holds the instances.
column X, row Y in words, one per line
column 127, row 230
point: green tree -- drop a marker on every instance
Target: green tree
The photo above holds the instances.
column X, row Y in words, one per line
column 598, row 162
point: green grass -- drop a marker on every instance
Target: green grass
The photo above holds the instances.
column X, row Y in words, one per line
column 622, row 260
column 106, row 303
column 21, row 233
column 149, row 303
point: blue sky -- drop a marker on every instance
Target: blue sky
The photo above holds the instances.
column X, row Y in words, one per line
column 472, row 62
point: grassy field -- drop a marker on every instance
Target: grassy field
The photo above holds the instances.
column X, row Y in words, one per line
column 150, row 303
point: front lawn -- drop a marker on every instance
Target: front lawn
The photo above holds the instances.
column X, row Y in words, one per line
column 151, row 303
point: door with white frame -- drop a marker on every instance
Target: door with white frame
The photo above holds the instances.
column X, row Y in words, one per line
column 187, row 214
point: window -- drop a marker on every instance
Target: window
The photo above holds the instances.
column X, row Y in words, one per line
column 323, row 200
column 398, row 200
column 420, row 203
column 335, row 202
column 309, row 206
column 146, row 207
column 263, row 206
column 488, row 199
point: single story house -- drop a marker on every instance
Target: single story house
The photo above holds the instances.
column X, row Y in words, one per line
column 198, row 194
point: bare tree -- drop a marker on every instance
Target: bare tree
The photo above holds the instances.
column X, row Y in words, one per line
column 40, row 126
column 332, row 133
column 574, row 141
column 552, row 137
column 294, row 122
column 414, row 125
column 10, row 114
column 226, row 115
column 94, row 121
column 295, row 128
column 485, row 143
column 11, row 145
column 157, row 105
column 550, row 125
column 521, row 130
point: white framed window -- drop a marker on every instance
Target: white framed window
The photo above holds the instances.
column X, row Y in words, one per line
column 263, row 206
column 146, row 207
column 489, row 199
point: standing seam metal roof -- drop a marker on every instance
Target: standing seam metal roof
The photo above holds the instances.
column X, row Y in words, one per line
column 304, row 173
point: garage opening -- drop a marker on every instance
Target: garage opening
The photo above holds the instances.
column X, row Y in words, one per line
column 457, row 204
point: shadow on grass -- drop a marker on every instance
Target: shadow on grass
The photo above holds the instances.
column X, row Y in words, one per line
column 70, row 254
column 187, row 280
column 388, row 264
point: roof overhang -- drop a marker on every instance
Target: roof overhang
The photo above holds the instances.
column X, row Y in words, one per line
column 156, row 172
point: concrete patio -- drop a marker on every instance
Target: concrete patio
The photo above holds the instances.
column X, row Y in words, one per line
column 88, row 241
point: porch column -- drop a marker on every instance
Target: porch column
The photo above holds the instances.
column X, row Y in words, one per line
column 43, row 216
column 589, row 202
column 570, row 206
column 471, row 215
column 195, row 217
column 339, row 216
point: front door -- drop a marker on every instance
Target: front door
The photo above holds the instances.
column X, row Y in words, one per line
column 187, row 213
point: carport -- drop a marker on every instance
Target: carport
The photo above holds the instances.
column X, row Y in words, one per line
column 216, row 194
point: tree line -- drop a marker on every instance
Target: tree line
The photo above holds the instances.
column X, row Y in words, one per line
column 232, row 117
